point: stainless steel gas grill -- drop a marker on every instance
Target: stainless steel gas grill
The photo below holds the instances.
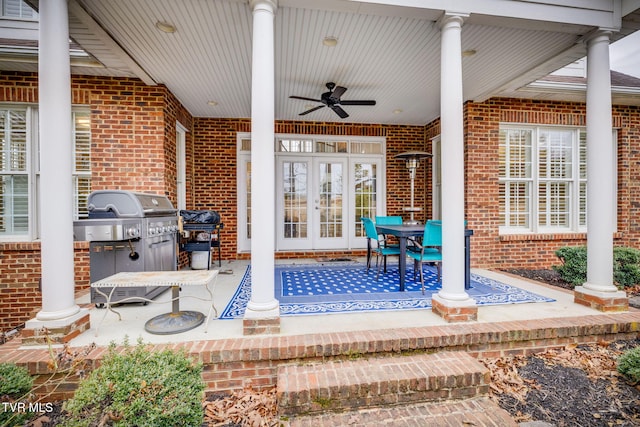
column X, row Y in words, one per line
column 128, row 231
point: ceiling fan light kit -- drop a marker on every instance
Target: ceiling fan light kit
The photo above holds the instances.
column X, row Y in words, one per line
column 332, row 100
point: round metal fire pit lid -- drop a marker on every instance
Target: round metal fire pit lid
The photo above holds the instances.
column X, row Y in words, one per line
column 174, row 323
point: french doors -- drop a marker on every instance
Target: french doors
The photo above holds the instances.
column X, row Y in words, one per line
column 323, row 185
column 311, row 207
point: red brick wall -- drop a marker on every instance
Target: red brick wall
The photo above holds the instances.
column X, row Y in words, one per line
column 482, row 121
column 133, row 148
column 133, row 137
column 215, row 167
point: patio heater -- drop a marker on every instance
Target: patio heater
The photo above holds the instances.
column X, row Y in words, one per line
column 412, row 161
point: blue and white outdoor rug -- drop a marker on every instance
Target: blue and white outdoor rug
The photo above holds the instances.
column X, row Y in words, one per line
column 342, row 288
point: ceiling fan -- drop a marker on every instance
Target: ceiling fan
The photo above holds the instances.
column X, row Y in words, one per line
column 332, row 100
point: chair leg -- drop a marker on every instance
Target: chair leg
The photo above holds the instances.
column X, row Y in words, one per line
column 378, row 265
column 421, row 278
column 368, row 254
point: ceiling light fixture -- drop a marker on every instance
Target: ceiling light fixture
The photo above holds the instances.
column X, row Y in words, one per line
column 468, row 52
column 212, row 103
column 165, row 27
column 397, row 111
column 330, row 41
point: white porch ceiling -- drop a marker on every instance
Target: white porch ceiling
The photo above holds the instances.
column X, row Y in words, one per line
column 389, row 54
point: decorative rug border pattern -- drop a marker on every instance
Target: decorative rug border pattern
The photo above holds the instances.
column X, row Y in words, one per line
column 484, row 291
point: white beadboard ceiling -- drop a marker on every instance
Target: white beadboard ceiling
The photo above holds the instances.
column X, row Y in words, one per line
column 386, row 53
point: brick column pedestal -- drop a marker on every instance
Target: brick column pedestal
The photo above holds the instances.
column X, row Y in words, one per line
column 452, row 312
column 52, row 332
column 601, row 301
column 257, row 326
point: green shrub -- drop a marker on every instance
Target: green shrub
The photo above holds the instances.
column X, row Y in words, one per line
column 574, row 264
column 142, row 388
column 15, row 384
column 15, row 380
column 629, row 364
column 626, row 265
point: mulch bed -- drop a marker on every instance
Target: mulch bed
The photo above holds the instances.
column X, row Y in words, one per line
column 575, row 386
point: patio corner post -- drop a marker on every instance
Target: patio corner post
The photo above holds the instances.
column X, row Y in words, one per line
column 263, row 310
column 60, row 315
column 452, row 302
column 599, row 291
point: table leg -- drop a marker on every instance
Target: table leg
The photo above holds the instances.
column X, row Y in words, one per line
column 403, row 260
column 467, row 262
column 175, row 296
column 212, row 308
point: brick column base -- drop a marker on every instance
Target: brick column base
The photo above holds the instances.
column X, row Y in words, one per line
column 257, row 326
column 454, row 313
column 601, row 301
column 39, row 333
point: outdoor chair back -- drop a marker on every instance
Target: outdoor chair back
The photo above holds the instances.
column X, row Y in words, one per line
column 430, row 250
column 380, row 248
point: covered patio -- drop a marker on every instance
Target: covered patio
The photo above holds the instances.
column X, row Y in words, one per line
column 440, row 112
column 134, row 315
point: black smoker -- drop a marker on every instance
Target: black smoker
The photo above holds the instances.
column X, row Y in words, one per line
column 128, row 232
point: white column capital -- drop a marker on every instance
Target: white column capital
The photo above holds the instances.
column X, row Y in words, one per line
column 452, row 19
column 598, row 36
column 264, row 5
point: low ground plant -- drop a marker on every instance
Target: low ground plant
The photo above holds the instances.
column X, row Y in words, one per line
column 629, row 365
column 15, row 386
column 137, row 386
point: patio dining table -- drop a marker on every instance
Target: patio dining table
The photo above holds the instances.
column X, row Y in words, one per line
column 405, row 231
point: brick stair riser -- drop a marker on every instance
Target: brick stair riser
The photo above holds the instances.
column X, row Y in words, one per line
column 338, row 387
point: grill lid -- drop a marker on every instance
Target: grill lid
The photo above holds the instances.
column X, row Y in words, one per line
column 127, row 204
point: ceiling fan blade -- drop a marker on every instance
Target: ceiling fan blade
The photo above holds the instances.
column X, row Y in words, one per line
column 311, row 110
column 337, row 92
column 361, row 102
column 339, row 111
column 305, row 98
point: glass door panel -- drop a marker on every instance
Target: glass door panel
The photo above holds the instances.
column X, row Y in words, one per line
column 329, row 201
column 292, row 204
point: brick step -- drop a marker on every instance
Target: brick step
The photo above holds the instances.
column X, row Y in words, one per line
column 477, row 412
column 393, row 380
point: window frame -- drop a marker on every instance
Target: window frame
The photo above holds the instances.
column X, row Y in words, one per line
column 33, row 169
column 577, row 222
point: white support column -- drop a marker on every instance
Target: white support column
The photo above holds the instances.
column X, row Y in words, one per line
column 56, row 167
column 263, row 304
column 600, row 179
column 452, row 152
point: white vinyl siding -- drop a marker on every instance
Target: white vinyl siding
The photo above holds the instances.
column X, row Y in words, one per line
column 17, row 9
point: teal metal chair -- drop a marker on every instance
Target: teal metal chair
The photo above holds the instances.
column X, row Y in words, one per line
column 430, row 250
column 389, row 220
column 380, row 249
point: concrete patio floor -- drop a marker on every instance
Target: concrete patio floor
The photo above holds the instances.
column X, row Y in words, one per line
column 135, row 315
